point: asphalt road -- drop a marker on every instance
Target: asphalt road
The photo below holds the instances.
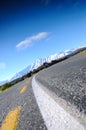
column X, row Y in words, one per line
column 67, row 80
column 30, row 117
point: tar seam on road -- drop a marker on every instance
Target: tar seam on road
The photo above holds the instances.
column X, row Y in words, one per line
column 11, row 120
column 55, row 117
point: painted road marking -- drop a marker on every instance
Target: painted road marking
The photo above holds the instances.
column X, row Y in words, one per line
column 11, row 120
column 23, row 89
column 55, row 117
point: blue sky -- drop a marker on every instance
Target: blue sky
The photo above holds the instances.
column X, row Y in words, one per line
column 33, row 29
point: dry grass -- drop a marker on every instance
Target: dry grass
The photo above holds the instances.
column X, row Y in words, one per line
column 83, row 52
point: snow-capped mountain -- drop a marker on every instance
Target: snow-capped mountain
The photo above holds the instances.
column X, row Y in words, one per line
column 37, row 63
column 40, row 62
column 21, row 73
column 48, row 59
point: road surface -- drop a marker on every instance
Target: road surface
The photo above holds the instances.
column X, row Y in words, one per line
column 67, row 81
column 53, row 99
column 21, row 95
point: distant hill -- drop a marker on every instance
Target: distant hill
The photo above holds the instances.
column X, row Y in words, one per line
column 40, row 62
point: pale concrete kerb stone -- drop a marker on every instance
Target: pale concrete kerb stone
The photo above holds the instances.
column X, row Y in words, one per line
column 55, row 117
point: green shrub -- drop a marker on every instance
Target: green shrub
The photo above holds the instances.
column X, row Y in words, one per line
column 5, row 86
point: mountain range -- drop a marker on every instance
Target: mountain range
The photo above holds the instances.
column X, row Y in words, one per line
column 40, row 62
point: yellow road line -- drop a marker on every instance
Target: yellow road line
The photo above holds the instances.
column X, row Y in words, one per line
column 11, row 120
column 23, row 89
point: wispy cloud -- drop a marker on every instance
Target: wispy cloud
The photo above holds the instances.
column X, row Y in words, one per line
column 28, row 41
column 2, row 65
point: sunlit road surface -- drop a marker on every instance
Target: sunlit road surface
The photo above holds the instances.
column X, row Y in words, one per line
column 66, row 82
column 19, row 109
column 11, row 120
column 35, row 104
column 54, row 115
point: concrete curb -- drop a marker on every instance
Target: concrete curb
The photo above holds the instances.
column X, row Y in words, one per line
column 55, row 117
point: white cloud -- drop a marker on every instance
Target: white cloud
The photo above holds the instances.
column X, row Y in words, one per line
column 2, row 65
column 28, row 41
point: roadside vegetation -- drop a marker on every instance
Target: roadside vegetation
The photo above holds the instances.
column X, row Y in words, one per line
column 83, row 52
column 45, row 65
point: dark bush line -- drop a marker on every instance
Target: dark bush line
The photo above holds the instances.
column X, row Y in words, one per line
column 45, row 65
